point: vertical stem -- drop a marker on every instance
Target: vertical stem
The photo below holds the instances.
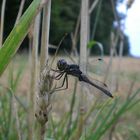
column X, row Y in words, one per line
column 83, row 42
column 33, row 75
column 96, row 20
column 74, row 36
column 113, row 42
column 84, row 34
column 71, row 108
column 44, row 54
column 93, row 5
column 2, row 21
column 17, row 119
column 45, row 34
column 83, row 59
column 119, row 63
column 20, row 11
column 42, row 132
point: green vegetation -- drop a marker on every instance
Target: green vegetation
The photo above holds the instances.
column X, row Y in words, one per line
column 64, row 16
column 15, row 38
column 100, row 121
column 100, row 118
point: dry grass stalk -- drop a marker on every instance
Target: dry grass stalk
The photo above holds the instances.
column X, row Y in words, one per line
column 2, row 21
column 93, row 5
column 74, row 36
column 43, row 99
column 113, row 42
column 91, row 8
column 121, row 37
column 119, row 63
column 34, row 59
column 43, row 103
column 45, row 34
column 20, row 11
column 84, row 31
column 84, row 35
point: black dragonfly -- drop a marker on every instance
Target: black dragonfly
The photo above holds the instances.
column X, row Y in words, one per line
column 65, row 69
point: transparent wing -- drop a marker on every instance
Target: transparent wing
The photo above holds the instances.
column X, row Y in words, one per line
column 97, row 66
column 98, row 82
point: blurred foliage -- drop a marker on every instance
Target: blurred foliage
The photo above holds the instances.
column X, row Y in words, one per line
column 126, row 46
column 104, row 25
column 63, row 20
column 91, row 44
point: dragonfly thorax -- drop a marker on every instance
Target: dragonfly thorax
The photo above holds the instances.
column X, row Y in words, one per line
column 62, row 64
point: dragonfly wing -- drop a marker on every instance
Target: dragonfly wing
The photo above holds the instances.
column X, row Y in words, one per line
column 97, row 66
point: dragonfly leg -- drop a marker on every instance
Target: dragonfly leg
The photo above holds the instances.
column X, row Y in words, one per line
column 58, row 77
column 58, row 71
column 64, row 81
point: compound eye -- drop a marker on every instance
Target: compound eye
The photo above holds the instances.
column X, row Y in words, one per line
column 62, row 64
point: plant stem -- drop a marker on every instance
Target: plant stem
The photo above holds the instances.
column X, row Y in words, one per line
column 20, row 11
column 43, row 105
column 84, row 35
column 45, row 34
column 2, row 21
column 35, row 43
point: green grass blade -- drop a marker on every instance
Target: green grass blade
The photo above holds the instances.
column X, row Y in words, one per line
column 104, row 121
column 17, row 35
column 119, row 113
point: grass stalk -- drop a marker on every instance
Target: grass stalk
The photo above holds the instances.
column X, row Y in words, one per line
column 129, row 103
column 43, row 101
column 20, row 11
column 84, row 35
column 68, row 131
column 113, row 41
column 74, row 36
column 96, row 20
column 45, row 34
column 93, row 5
column 119, row 64
column 2, row 22
column 83, row 42
column 121, row 45
column 83, row 63
column 19, row 132
column 13, row 84
column 131, row 86
column 33, row 88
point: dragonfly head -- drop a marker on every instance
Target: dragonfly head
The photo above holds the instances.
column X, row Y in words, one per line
column 62, row 64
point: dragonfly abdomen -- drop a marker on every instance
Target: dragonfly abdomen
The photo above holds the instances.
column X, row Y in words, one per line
column 85, row 79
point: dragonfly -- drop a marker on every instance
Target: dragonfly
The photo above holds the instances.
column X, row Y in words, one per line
column 64, row 69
